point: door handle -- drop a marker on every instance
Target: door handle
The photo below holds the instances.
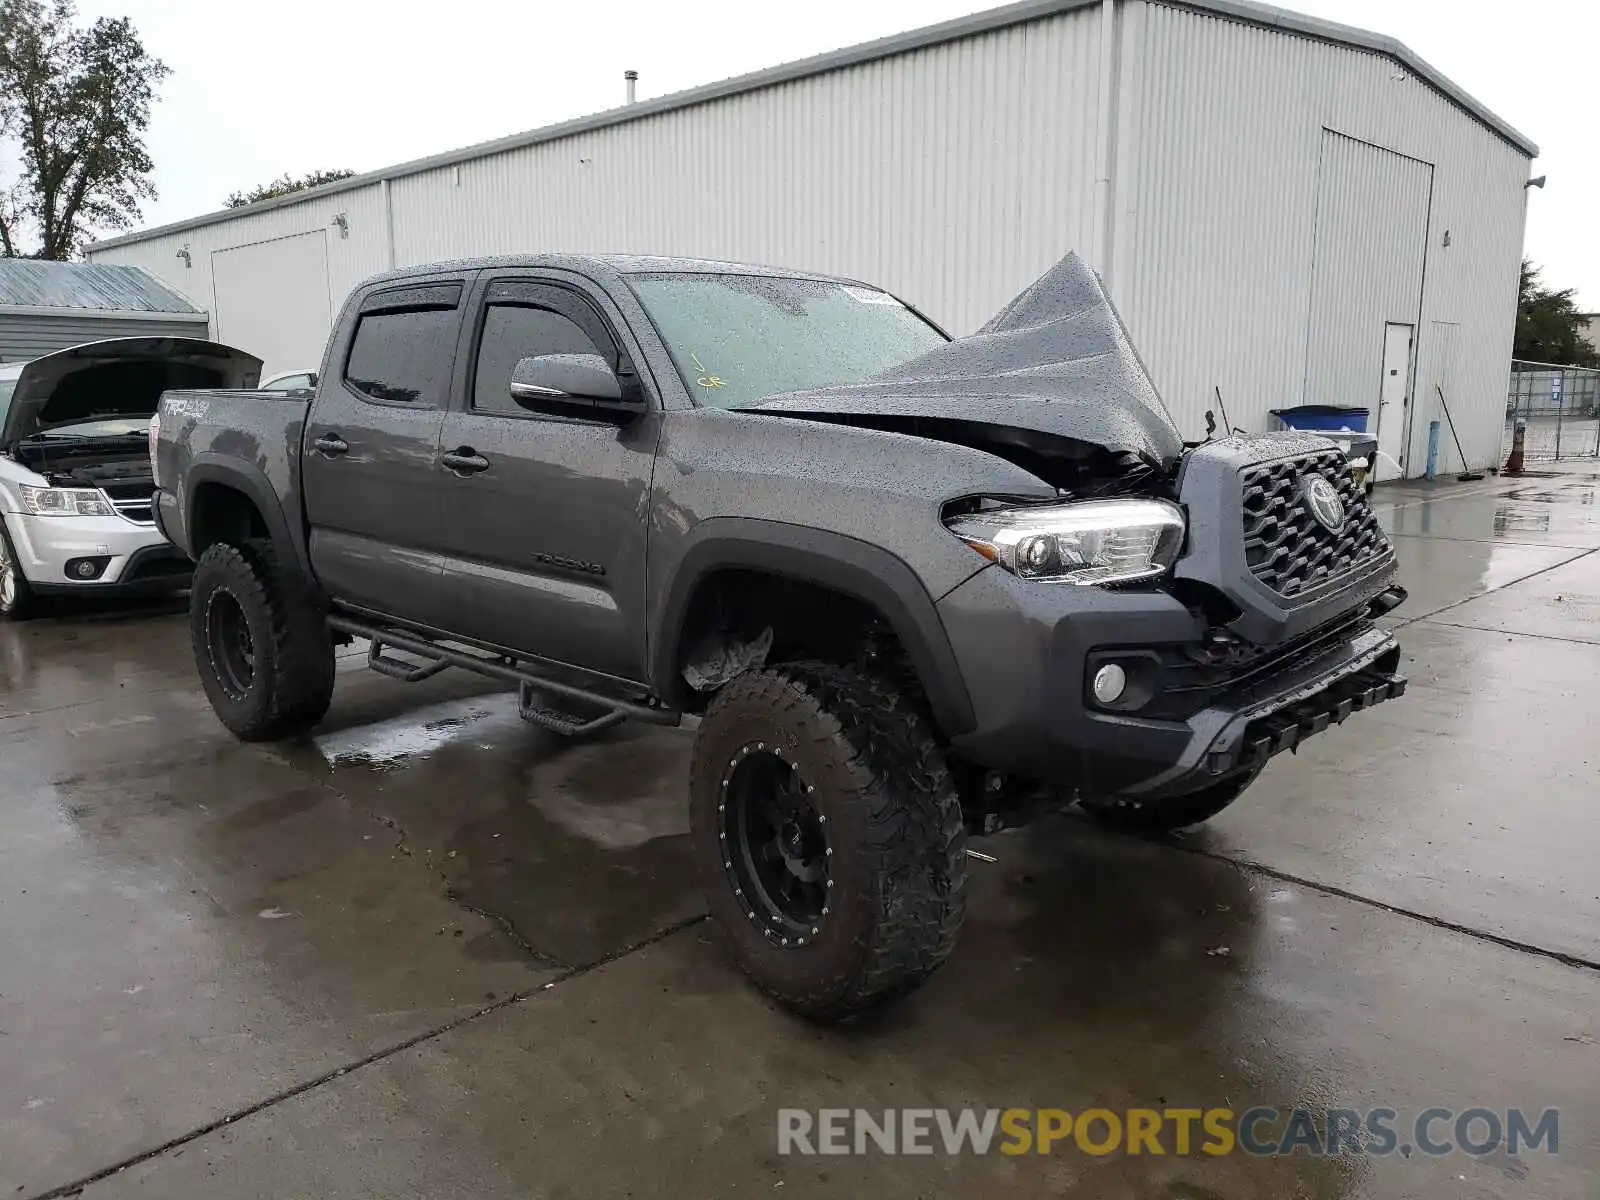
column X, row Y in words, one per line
column 331, row 445
column 465, row 461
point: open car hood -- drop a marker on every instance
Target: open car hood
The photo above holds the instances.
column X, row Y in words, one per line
column 119, row 377
column 1056, row 360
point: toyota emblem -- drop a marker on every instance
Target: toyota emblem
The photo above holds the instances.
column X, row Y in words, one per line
column 1322, row 499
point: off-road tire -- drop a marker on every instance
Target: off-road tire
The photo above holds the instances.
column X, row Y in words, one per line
column 1174, row 812
column 292, row 680
column 897, row 847
column 24, row 601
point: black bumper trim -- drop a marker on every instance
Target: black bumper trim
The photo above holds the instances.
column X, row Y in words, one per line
column 1285, row 729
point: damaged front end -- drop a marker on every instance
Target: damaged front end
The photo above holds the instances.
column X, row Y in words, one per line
column 1052, row 384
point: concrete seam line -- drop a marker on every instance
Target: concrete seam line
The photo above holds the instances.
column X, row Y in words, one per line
column 75, row 1188
column 1482, row 935
column 1490, row 591
column 1514, row 633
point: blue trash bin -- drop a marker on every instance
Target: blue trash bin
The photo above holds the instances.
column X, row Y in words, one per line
column 1322, row 418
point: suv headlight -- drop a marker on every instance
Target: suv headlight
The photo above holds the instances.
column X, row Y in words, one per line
column 1095, row 541
column 64, row 502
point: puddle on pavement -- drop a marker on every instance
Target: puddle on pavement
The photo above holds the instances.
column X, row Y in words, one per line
column 422, row 731
column 1507, row 520
column 578, row 848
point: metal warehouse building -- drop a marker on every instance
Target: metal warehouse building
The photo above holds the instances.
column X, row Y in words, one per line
column 1284, row 209
column 48, row 306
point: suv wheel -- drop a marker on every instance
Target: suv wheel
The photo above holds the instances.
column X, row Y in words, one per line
column 17, row 599
column 1173, row 812
column 262, row 647
column 828, row 836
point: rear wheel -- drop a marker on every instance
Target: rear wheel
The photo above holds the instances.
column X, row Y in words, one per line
column 1174, row 812
column 17, row 598
column 261, row 645
column 828, row 836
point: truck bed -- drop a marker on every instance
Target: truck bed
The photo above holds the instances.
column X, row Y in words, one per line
column 256, row 431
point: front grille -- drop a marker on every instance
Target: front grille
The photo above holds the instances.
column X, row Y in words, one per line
column 1286, row 547
column 137, row 511
column 132, row 501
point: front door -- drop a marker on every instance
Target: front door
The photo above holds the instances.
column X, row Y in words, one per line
column 370, row 468
column 1393, row 392
column 549, row 520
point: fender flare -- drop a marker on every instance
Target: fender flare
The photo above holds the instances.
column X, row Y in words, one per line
column 836, row 561
column 251, row 481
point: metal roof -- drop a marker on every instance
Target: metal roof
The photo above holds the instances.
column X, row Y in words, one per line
column 1245, row 11
column 34, row 284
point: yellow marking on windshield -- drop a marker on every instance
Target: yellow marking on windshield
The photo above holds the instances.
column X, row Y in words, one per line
column 706, row 379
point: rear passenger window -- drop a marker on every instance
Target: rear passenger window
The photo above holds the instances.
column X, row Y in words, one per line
column 403, row 357
column 512, row 332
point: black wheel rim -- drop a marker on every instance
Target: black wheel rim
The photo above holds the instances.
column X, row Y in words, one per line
column 774, row 845
column 233, row 650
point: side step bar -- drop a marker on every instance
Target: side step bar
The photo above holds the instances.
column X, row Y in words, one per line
column 559, row 721
column 531, row 685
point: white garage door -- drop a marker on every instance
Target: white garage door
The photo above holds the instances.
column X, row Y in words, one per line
column 1366, row 290
column 272, row 300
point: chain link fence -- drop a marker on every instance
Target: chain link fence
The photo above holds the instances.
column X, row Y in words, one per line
column 1560, row 407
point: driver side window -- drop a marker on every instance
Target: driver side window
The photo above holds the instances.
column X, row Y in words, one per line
column 512, row 332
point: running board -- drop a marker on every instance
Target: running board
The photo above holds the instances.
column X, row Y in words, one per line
column 436, row 658
column 545, row 716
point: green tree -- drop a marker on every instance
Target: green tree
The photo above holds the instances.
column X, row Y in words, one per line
column 285, row 185
column 74, row 106
column 1548, row 325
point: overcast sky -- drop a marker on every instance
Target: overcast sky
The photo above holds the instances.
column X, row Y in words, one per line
column 262, row 88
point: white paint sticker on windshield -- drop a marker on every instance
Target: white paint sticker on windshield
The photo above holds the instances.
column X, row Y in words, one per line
column 872, row 296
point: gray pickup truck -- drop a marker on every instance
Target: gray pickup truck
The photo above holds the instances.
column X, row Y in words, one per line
column 915, row 588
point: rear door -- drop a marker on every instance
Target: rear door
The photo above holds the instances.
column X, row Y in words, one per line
column 370, row 467
column 548, row 537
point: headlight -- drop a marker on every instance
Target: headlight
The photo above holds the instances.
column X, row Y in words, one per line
column 64, row 502
column 1096, row 541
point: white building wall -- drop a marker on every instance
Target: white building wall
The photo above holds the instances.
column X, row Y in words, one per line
column 1216, row 221
column 951, row 176
column 1179, row 152
column 349, row 259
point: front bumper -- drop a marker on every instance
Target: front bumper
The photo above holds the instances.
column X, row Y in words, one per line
column 1025, row 650
column 139, row 559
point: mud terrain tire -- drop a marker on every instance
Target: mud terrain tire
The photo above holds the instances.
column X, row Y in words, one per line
column 261, row 646
column 865, row 765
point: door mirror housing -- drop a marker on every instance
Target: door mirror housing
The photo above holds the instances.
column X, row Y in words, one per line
column 555, row 382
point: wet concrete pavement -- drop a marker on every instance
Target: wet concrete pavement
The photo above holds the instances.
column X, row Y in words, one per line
column 432, row 952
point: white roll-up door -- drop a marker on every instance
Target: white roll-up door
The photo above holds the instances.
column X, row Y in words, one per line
column 1367, row 268
column 272, row 300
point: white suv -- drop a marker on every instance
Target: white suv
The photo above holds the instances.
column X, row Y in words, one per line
column 75, row 474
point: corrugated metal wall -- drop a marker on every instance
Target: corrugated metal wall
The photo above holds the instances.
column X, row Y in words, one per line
column 25, row 336
column 948, row 175
column 956, row 173
column 1216, row 211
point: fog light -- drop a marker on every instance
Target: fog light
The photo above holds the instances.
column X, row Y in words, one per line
column 1110, row 681
column 84, row 569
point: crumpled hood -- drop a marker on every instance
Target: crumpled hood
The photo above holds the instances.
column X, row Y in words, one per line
column 118, row 377
column 1056, row 360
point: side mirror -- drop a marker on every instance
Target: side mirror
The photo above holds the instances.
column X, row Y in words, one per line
column 549, row 381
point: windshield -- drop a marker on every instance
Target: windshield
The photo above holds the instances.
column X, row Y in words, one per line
column 738, row 338
column 111, row 427
column 7, row 386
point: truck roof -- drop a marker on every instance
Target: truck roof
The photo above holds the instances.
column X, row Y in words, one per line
column 612, row 264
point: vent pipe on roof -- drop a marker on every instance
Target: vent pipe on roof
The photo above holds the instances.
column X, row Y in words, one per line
column 632, row 78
